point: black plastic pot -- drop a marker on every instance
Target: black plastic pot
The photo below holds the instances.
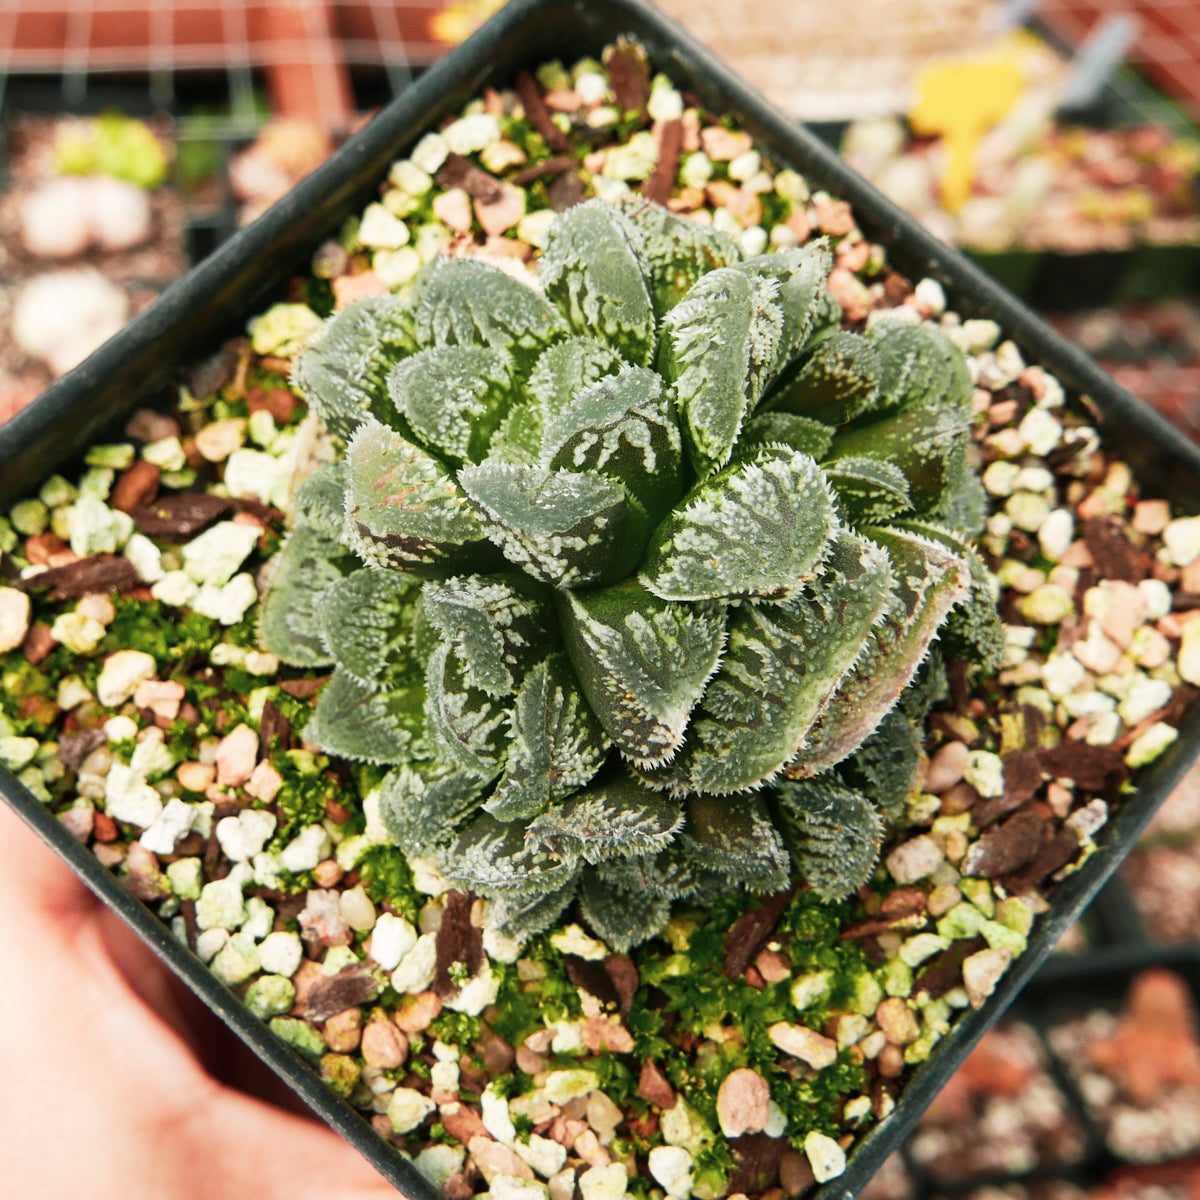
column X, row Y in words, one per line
column 217, row 297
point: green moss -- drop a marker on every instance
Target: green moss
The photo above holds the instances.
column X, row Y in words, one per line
column 455, row 1028
column 175, row 639
column 387, row 876
column 302, row 797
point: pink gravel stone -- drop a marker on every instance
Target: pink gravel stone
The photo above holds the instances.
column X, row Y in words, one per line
column 347, row 289
column 322, row 918
column 383, row 1045
column 264, row 782
column 724, row 145
column 237, row 754
column 162, row 697
column 743, row 1102
column 453, row 208
column 499, row 215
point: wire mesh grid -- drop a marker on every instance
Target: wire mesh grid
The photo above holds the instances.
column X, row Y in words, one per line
column 81, row 45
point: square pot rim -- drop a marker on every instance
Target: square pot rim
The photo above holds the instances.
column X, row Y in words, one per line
column 256, row 260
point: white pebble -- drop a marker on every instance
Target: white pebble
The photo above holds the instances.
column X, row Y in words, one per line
column 281, row 953
column 825, row 1156
column 391, row 939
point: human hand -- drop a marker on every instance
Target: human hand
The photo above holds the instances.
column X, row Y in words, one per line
column 117, row 1083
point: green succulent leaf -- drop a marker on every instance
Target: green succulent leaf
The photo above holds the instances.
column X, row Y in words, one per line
column 557, row 744
column 320, row 502
column 422, row 804
column 782, row 665
column 467, row 302
column 621, row 918
column 404, row 509
column 619, row 819
column 343, row 374
column 453, row 398
column 385, row 724
column 869, row 490
column 498, row 625
column 802, row 296
column 565, row 369
column 973, row 631
column 930, row 580
column 566, row 528
column 491, row 859
column 718, row 345
column 642, row 663
column 590, row 270
column 926, row 444
column 835, row 833
column 366, row 622
column 733, row 836
column 289, row 621
column 760, row 528
column 467, row 724
column 668, row 875
column 884, row 767
column 920, row 366
column 621, row 426
column 834, row 384
column 785, row 429
column 675, row 252
column 521, row 917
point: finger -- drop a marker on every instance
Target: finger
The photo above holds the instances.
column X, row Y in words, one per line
column 281, row 1156
column 32, row 875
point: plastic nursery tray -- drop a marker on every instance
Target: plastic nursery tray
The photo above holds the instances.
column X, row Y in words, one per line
column 1066, row 989
column 216, row 297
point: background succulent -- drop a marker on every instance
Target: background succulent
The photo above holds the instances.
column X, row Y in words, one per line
column 625, row 577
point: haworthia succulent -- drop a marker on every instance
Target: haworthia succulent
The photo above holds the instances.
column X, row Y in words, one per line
column 835, row 834
column 343, row 374
column 467, row 302
column 556, row 746
column 680, row 543
column 404, row 509
column 643, row 663
column 590, row 270
column 760, row 528
column 290, row 623
column 718, row 345
column 453, row 398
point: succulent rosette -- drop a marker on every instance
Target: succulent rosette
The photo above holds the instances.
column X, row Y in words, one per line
column 629, row 577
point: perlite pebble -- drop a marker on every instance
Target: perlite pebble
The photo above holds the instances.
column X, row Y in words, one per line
column 1189, row 653
column 121, row 674
column 671, row 1166
column 561, row 1086
column 185, row 876
column 573, row 940
column 437, row 1163
column 381, row 230
column 220, row 905
column 604, row 1183
column 226, row 603
column 306, row 849
column 215, row 555
column 407, row 1108
column 825, row 1156
column 985, row 772
column 171, row 824
column 1181, row 540
column 281, row 953
column 236, row 961
column 1149, row 745
column 129, row 798
column 415, row 971
column 391, row 939
column 496, row 1118
column 243, row 836
column 270, row 996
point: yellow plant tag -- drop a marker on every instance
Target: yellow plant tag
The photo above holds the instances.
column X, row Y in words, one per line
column 959, row 102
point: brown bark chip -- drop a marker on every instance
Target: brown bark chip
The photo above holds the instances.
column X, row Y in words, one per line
column 750, row 933
column 538, row 114
column 629, row 76
column 332, row 994
column 662, row 179
column 460, row 172
column 1008, row 847
column 458, row 941
column 73, row 748
column 1114, row 555
column 757, row 1157
column 98, row 573
column 304, row 689
column 1095, row 768
column 272, row 725
column 654, row 1087
column 180, row 515
column 1054, row 855
column 944, row 970
column 462, row 1123
column 624, row 976
column 554, row 165
column 1022, row 779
